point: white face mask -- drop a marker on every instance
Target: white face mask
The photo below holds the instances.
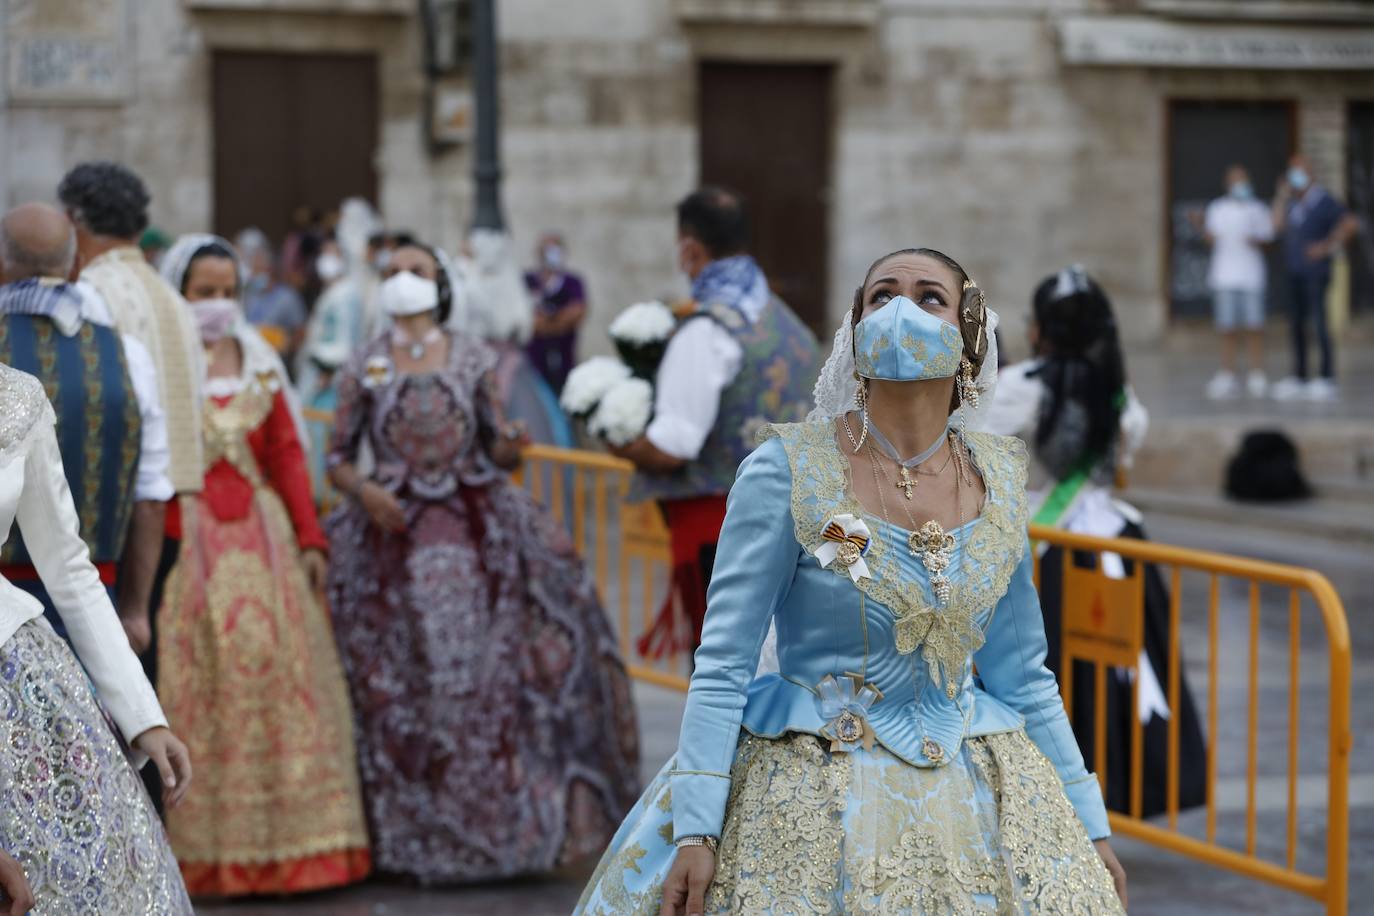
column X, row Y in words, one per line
column 215, row 318
column 408, row 294
column 330, row 266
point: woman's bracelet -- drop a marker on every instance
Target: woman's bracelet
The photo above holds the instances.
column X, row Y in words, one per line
column 709, row 842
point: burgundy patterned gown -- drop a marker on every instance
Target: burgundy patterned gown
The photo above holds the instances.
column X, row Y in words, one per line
column 496, row 735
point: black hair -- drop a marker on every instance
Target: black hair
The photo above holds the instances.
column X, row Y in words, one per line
column 403, row 238
column 717, row 218
column 1083, row 371
column 212, row 250
column 441, row 277
column 377, row 239
column 106, row 198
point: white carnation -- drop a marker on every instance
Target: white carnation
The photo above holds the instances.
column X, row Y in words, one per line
column 644, row 323
column 624, row 412
column 589, row 382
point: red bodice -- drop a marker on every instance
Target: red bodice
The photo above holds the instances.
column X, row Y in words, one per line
column 276, row 451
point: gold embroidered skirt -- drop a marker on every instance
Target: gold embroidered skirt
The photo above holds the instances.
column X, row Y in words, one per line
column 808, row 831
column 251, row 681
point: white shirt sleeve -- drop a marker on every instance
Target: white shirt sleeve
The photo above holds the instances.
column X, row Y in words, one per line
column 47, row 519
column 1262, row 223
column 701, row 360
column 1209, row 219
column 154, row 458
column 1015, row 401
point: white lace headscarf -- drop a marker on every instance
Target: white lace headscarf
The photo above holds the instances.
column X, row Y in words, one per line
column 258, row 354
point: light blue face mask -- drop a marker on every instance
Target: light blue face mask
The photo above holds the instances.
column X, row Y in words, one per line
column 902, row 342
column 1298, row 178
column 1241, row 190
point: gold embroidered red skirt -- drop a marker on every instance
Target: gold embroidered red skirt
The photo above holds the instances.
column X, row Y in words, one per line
column 250, row 679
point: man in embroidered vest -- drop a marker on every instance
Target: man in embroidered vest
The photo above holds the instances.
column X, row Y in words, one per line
column 110, row 427
column 109, row 205
column 740, row 358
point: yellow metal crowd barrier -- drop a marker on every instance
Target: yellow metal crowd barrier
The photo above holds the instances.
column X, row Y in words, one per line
column 1114, row 639
column 625, row 543
column 627, row 546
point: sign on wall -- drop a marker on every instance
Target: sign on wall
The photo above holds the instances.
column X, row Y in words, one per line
column 74, row 51
column 1138, row 41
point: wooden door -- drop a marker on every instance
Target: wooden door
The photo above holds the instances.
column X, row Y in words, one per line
column 1360, row 198
column 291, row 131
column 1204, row 138
column 766, row 133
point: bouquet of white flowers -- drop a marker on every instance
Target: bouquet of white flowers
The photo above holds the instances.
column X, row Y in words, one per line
column 640, row 334
column 615, row 397
column 588, row 383
column 624, row 412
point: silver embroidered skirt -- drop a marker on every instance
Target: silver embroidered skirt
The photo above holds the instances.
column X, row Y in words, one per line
column 808, row 831
column 72, row 809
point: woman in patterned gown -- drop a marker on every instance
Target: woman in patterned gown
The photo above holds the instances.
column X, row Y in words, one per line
column 496, row 734
column 911, row 755
column 73, row 811
column 247, row 658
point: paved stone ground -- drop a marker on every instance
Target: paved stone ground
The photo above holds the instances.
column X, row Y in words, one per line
column 1160, row 883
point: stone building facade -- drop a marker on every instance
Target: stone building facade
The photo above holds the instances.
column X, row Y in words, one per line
column 1018, row 135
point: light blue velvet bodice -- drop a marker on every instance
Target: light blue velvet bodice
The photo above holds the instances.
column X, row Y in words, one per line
column 887, row 628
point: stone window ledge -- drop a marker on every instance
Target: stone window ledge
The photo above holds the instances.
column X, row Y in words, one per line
column 354, row 7
column 1314, row 11
column 791, row 13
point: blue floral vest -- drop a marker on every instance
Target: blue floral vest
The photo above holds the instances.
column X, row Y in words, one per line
column 778, row 371
column 99, row 427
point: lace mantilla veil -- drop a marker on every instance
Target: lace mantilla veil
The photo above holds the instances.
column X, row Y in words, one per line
column 836, row 393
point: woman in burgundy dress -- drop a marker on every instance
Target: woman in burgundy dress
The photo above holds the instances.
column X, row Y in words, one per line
column 496, row 734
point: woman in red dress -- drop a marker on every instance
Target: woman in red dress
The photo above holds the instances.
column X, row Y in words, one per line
column 250, row 673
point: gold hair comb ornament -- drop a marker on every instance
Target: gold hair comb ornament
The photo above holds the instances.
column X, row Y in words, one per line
column 976, row 313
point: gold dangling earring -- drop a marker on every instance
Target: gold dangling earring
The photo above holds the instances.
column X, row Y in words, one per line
column 968, row 396
column 968, row 387
column 863, row 411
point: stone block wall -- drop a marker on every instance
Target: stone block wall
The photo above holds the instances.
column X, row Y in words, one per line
column 958, row 126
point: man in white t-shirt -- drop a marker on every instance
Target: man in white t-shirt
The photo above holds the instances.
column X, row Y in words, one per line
column 1237, row 227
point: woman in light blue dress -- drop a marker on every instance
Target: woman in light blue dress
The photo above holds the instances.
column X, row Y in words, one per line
column 911, row 754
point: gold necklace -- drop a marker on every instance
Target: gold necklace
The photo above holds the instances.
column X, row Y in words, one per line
column 849, row 431
column 931, row 544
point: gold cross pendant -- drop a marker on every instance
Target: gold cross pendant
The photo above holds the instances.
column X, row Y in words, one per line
column 906, row 483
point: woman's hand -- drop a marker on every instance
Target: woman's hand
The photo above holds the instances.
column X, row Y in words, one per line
column 508, row 449
column 315, row 564
column 684, row 890
column 1104, row 849
column 14, row 887
column 382, row 507
column 173, row 762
